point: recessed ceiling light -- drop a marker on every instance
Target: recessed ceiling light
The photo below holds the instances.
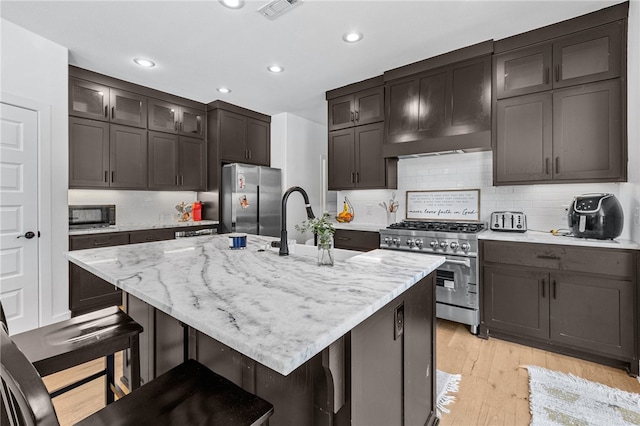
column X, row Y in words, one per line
column 275, row 68
column 223, row 90
column 232, row 4
column 352, row 36
column 147, row 63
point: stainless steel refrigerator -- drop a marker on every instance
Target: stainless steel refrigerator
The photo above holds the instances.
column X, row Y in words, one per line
column 251, row 199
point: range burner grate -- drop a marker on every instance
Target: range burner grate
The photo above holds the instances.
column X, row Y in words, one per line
column 462, row 227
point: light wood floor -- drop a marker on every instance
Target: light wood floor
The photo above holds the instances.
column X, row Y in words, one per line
column 494, row 389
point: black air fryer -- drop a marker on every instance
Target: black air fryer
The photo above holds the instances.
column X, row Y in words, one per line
column 596, row 216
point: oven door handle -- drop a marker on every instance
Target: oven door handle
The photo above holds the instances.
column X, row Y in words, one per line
column 466, row 262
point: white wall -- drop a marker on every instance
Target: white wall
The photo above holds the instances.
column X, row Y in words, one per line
column 298, row 147
column 34, row 71
column 136, row 207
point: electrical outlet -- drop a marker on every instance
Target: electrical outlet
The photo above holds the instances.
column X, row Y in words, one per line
column 636, row 216
column 369, row 209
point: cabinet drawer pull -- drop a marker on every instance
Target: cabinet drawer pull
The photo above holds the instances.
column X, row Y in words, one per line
column 106, row 111
column 175, row 126
column 182, row 180
column 557, row 72
column 546, row 165
column 357, row 115
column 177, row 180
column 554, row 289
column 357, row 177
column 113, row 176
column 557, row 165
column 113, row 112
column 549, row 257
column 249, row 154
column 544, row 284
column 106, row 176
column 352, row 117
column 353, row 180
column 101, row 243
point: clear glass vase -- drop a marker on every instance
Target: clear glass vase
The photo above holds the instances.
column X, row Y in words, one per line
column 325, row 251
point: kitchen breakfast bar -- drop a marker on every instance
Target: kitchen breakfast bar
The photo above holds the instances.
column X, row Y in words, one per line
column 349, row 344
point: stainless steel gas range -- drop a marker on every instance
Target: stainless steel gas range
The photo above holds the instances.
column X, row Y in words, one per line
column 457, row 279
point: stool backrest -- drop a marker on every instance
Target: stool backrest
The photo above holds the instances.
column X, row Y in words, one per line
column 24, row 396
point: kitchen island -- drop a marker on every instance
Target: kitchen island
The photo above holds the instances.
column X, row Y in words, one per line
column 352, row 343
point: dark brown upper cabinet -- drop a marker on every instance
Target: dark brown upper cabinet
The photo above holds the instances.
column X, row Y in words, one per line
column 103, row 155
column 356, row 161
column 356, row 109
column 176, row 162
column 243, row 139
column 168, row 117
column 440, row 109
column 584, row 57
column 568, row 135
column 100, row 102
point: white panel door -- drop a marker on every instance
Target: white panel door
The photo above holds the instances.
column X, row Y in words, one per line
column 19, row 217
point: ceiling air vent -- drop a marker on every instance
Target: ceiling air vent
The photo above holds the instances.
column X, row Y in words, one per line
column 276, row 8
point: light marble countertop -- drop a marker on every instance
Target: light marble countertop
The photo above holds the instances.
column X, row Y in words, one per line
column 140, row 227
column 278, row 310
column 548, row 238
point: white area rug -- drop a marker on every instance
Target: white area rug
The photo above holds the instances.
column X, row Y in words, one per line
column 445, row 384
column 564, row 399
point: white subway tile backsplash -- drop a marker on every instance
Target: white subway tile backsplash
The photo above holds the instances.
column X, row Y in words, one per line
column 544, row 205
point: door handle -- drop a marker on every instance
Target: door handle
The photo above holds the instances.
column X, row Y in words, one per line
column 28, row 235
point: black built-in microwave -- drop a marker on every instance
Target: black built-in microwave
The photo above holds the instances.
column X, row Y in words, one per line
column 96, row 216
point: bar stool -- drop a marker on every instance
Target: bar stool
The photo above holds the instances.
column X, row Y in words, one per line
column 69, row 343
column 189, row 394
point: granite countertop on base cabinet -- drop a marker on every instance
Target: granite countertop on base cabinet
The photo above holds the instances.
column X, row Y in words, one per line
column 141, row 227
column 548, row 238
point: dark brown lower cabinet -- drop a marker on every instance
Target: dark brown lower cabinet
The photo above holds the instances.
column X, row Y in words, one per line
column 356, row 240
column 87, row 292
column 574, row 300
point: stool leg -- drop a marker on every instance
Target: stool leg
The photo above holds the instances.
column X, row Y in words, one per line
column 135, row 362
column 110, row 378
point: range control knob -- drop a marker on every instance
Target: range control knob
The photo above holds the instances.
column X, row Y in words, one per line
column 387, row 240
column 466, row 246
column 418, row 242
column 396, row 241
column 443, row 245
column 409, row 242
column 454, row 245
column 433, row 244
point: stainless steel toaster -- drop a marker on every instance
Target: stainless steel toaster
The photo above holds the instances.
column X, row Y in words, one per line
column 508, row 221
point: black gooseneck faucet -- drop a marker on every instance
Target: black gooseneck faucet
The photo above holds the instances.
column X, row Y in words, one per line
column 284, row 247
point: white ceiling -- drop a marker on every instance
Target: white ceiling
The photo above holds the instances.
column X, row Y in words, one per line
column 201, row 45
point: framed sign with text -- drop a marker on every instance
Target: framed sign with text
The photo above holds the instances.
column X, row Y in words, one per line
column 462, row 205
